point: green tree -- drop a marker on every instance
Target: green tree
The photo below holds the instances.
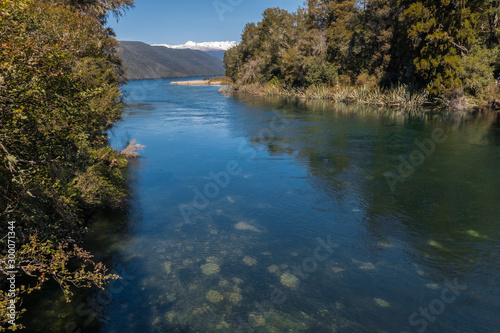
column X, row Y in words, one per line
column 336, row 18
column 448, row 47
column 100, row 9
column 59, row 91
column 442, row 33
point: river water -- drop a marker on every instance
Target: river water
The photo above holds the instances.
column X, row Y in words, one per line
column 253, row 214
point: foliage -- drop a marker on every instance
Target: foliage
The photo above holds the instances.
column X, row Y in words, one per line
column 477, row 67
column 59, row 91
column 443, row 46
column 100, row 8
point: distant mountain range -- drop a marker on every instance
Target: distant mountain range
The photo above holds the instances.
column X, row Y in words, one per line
column 206, row 46
column 144, row 62
column 215, row 49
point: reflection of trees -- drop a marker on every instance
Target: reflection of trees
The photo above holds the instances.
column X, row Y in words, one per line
column 447, row 210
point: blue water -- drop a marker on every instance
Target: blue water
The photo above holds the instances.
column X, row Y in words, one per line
column 252, row 214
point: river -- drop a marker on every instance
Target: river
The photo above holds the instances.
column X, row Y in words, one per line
column 253, row 214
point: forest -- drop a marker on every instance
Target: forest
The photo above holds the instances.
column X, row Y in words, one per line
column 59, row 92
column 447, row 50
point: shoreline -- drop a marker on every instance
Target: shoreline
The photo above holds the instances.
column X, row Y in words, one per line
column 196, row 83
column 399, row 96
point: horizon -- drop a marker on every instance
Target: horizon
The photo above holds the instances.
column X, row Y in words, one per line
column 155, row 22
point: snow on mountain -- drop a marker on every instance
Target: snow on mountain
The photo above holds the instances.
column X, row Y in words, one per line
column 206, row 46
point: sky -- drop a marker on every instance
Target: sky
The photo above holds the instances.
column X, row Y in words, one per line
column 176, row 22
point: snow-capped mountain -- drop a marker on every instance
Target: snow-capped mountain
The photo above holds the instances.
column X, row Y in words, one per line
column 206, row 46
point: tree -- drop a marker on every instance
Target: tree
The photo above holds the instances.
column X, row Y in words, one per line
column 442, row 33
column 59, row 92
column 446, row 46
column 336, row 18
column 100, row 8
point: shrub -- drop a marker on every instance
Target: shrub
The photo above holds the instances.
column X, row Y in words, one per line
column 58, row 92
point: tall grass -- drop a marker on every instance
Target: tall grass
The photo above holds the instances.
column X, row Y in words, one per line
column 398, row 96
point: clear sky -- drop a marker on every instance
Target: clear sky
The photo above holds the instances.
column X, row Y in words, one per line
column 176, row 22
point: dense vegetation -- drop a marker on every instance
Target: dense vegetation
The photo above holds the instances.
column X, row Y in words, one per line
column 59, row 91
column 447, row 48
column 146, row 62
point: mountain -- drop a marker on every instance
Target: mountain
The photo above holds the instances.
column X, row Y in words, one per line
column 144, row 62
column 218, row 54
column 215, row 49
column 206, row 46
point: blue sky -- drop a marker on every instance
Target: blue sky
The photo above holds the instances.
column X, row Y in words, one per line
column 176, row 22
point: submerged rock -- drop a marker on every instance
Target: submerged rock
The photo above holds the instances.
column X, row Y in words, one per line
column 222, row 325
column 214, row 296
column 249, row 261
column 200, row 311
column 435, row 244
column 433, row 286
column 367, row 266
column 382, row 303
column 168, row 267
column 235, row 298
column 289, row 280
column 476, row 234
column 224, row 283
column 210, row 268
column 385, row 245
column 258, row 320
column 237, row 280
column 364, row 265
column 245, row 226
column 338, row 269
column 273, row 269
column 171, row 316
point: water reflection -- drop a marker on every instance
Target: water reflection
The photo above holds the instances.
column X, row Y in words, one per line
column 309, row 236
column 444, row 216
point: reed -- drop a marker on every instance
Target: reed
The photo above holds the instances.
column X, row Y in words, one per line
column 398, row 96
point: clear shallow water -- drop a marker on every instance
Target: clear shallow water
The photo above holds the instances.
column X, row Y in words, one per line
column 254, row 214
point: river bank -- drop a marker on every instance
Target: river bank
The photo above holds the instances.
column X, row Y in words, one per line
column 217, row 81
column 400, row 96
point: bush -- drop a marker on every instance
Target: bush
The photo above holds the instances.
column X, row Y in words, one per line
column 319, row 72
column 477, row 74
column 58, row 92
column 369, row 81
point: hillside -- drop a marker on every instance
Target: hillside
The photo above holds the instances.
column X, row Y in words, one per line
column 216, row 53
column 144, row 62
